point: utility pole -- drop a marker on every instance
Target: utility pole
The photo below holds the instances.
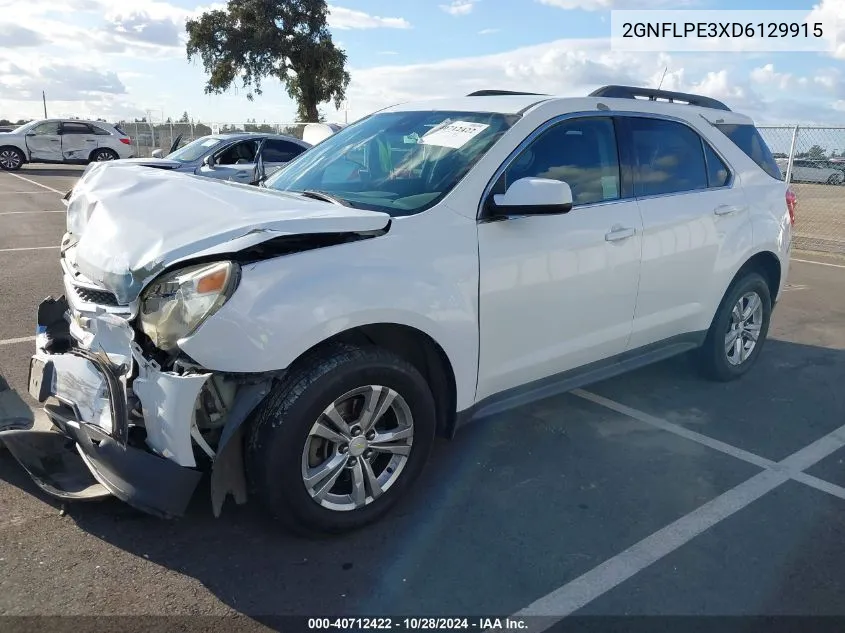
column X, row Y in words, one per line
column 44, row 101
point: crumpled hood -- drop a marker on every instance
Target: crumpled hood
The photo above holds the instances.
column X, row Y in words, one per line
column 131, row 222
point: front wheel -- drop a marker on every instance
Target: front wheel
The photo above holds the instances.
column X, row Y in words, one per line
column 341, row 439
column 739, row 329
column 11, row 158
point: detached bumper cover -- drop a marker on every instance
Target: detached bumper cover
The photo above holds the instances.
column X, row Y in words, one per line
column 82, row 450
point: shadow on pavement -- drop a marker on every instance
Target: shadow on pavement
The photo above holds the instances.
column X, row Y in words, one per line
column 74, row 171
column 507, row 511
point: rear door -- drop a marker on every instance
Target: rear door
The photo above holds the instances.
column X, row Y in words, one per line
column 44, row 142
column 695, row 219
column 78, row 141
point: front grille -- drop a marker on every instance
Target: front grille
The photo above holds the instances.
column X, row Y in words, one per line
column 100, row 297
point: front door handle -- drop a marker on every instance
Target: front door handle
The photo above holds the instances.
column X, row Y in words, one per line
column 619, row 233
column 727, row 209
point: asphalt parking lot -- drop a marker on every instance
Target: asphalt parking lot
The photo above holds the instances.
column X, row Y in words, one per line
column 654, row 493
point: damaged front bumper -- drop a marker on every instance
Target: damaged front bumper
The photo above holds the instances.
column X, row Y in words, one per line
column 89, row 372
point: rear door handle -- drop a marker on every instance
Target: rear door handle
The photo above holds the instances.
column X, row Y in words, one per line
column 727, row 209
column 619, row 233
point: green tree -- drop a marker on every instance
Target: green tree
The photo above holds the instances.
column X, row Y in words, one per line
column 184, row 118
column 285, row 39
column 817, row 152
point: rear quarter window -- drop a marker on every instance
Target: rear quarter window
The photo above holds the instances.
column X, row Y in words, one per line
column 748, row 139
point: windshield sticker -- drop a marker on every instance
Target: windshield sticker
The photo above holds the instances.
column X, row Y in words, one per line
column 455, row 134
column 411, row 139
column 210, row 142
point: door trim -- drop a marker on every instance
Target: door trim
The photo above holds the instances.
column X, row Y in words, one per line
column 578, row 377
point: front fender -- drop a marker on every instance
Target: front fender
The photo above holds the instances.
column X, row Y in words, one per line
column 285, row 306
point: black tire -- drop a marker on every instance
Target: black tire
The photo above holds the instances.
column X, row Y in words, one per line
column 279, row 429
column 713, row 357
column 834, row 179
column 11, row 158
column 102, row 154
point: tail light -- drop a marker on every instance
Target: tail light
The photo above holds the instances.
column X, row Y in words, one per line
column 791, row 203
column 126, row 141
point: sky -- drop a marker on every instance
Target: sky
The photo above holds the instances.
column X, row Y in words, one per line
column 120, row 59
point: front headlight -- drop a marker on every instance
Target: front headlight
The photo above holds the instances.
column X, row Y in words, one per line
column 175, row 305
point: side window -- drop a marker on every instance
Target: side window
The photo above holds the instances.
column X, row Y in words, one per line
column 277, row 151
column 239, row 153
column 100, row 131
column 748, row 139
column 76, row 128
column 50, row 127
column 579, row 152
column 718, row 173
column 668, row 157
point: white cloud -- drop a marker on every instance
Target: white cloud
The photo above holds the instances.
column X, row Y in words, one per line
column 459, row 7
column 388, row 53
column 342, row 18
column 832, row 14
column 488, row 31
column 768, row 76
column 16, row 36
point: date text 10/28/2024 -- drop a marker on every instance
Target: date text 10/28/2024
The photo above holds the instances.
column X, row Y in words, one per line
column 417, row 624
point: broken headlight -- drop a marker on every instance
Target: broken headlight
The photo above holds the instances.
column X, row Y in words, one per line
column 176, row 304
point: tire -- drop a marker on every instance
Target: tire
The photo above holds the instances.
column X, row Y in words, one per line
column 715, row 360
column 280, row 446
column 103, row 154
column 11, row 158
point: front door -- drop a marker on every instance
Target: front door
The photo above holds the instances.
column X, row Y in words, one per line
column 558, row 291
column 78, row 141
column 44, row 142
column 236, row 162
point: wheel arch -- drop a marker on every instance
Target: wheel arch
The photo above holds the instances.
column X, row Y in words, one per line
column 23, row 151
column 102, row 149
column 419, row 349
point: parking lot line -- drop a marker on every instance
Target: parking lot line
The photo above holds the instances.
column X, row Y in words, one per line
column 11, row 193
column 677, row 429
column 27, row 248
column 810, row 261
column 38, row 184
column 12, row 341
column 577, row 593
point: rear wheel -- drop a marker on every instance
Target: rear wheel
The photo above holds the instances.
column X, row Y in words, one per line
column 739, row 329
column 11, row 158
column 103, row 154
column 341, row 439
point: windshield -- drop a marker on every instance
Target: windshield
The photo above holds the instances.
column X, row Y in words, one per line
column 23, row 128
column 397, row 162
column 195, row 149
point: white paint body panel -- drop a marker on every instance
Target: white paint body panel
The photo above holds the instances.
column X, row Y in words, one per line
column 508, row 302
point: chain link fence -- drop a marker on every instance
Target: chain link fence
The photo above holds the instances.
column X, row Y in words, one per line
column 148, row 136
column 813, row 159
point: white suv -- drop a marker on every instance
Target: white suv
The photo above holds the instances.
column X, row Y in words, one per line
column 431, row 264
column 63, row 141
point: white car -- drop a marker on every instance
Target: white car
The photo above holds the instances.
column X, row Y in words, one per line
column 63, row 141
column 812, row 171
column 431, row 264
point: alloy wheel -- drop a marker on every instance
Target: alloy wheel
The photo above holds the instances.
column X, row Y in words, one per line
column 357, row 448
column 744, row 328
column 10, row 159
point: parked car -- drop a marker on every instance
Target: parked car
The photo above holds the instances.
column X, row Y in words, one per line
column 817, row 171
column 63, row 141
column 429, row 265
column 232, row 156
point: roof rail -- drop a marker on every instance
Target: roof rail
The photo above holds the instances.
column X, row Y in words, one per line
column 493, row 93
column 629, row 92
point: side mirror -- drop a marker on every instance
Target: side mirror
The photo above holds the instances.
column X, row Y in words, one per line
column 209, row 161
column 157, row 153
column 533, row 196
